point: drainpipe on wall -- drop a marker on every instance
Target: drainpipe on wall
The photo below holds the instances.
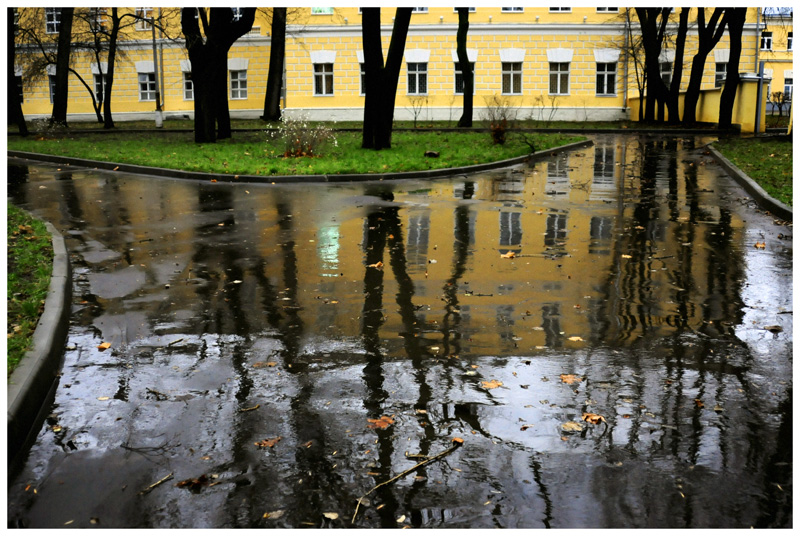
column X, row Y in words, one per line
column 159, row 120
column 625, row 85
column 758, row 35
column 758, row 97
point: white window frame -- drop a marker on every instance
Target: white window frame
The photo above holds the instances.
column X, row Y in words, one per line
column 97, row 20
column 147, row 87
column 100, row 81
column 238, row 84
column 52, row 20
column 608, row 10
column 559, row 74
column 188, row 86
column 512, row 73
column 362, row 79
column 237, row 13
column 51, row 79
column 419, row 10
column 609, row 80
column 470, row 9
column 788, row 87
column 560, row 10
column 418, row 73
column 665, row 70
column 458, row 74
column 322, row 10
column 323, row 79
column 512, row 10
column 720, row 74
column 789, row 39
column 145, row 14
column 766, row 40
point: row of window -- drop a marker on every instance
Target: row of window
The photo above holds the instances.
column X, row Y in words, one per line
column 766, row 40
column 329, row 10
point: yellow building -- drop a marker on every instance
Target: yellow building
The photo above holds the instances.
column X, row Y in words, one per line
column 547, row 63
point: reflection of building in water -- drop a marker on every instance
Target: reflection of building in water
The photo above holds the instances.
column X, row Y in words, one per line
column 556, row 231
column 510, row 229
column 418, row 229
column 558, row 176
column 328, row 249
column 604, row 186
column 601, row 229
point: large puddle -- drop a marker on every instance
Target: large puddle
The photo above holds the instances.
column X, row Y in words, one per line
column 367, row 324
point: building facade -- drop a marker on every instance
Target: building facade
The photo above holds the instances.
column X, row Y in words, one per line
column 547, row 63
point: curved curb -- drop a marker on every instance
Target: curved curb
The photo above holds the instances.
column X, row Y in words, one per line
column 34, row 380
column 283, row 179
column 764, row 200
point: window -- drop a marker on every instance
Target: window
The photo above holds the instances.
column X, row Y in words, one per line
column 238, row 84
column 99, row 87
column 188, row 86
column 96, row 18
column 719, row 74
column 417, row 78
column 512, row 78
column 147, row 86
column 52, row 19
column 608, row 10
column 560, row 9
column 470, row 9
column 363, row 78
column 459, row 89
column 789, row 41
column 237, row 13
column 322, row 11
column 323, row 79
column 766, row 40
column 52, row 82
column 144, row 15
column 18, row 80
column 419, row 10
column 606, row 78
column 512, row 9
column 559, row 78
column 665, row 68
column 787, row 88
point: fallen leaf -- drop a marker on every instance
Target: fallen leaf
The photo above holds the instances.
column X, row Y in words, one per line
column 102, row 398
column 627, row 257
column 699, row 403
column 509, row 255
column 94, row 520
column 268, row 443
column 56, row 428
column 378, row 265
column 331, row 515
column 273, row 515
column 194, row 484
column 526, row 426
column 572, row 426
column 718, row 408
column 401, row 519
column 575, row 339
column 593, row 418
column 760, row 245
column 570, row 378
column 381, row 423
column 493, row 384
column 773, row 329
column 458, row 440
column 104, row 346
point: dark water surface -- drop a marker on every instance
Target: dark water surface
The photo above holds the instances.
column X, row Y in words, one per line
column 243, row 313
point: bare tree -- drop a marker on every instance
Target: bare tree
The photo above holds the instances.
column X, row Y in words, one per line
column 709, row 35
column 381, row 80
column 736, row 20
column 277, row 52
column 15, row 115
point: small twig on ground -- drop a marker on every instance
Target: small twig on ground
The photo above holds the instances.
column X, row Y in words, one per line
column 457, row 442
column 150, row 488
column 250, row 409
column 175, row 342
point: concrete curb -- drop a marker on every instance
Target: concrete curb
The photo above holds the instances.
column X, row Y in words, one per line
column 764, row 200
column 33, row 382
column 283, row 179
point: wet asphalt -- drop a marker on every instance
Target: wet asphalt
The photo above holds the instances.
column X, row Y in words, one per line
column 609, row 332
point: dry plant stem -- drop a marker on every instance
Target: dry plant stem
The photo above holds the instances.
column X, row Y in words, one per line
column 404, row 473
column 150, row 488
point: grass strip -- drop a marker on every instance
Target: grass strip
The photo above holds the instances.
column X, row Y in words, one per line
column 768, row 161
column 30, row 263
column 256, row 153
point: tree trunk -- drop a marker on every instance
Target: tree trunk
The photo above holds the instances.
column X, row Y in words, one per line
column 709, row 35
column 736, row 20
column 673, row 101
column 277, row 52
column 15, row 115
column 381, row 80
column 466, row 70
column 61, row 93
column 209, row 60
column 108, row 121
column 652, row 39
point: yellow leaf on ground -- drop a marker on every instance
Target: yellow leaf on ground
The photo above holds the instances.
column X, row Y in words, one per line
column 576, row 339
column 760, row 245
column 593, row 418
column 509, row 255
column 268, row 443
column 572, row 426
column 378, row 265
column 570, row 378
column 381, row 423
column 492, row 384
column 104, row 346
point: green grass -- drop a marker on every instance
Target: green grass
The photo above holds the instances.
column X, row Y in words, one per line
column 768, row 161
column 30, row 256
column 255, row 153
